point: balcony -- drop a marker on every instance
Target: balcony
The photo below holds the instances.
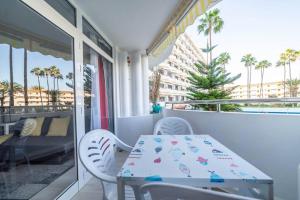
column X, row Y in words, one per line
column 268, row 140
column 45, row 111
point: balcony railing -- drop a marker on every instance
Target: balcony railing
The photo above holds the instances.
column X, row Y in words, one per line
column 13, row 113
column 285, row 101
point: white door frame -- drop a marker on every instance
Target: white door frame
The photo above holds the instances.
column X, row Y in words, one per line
column 44, row 9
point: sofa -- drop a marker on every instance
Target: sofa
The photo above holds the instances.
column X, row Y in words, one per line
column 51, row 140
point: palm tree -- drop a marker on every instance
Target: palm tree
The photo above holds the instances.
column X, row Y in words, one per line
column 211, row 22
column 5, row 88
column 36, row 88
column 11, row 74
column 295, row 86
column 282, row 63
column 298, row 57
column 291, row 55
column 224, row 60
column 25, row 78
column 53, row 74
column 47, row 74
column 69, row 76
column 262, row 65
column 39, row 73
column 155, row 86
column 59, row 76
column 249, row 61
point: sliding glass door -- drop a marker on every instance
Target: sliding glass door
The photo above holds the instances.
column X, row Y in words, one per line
column 36, row 105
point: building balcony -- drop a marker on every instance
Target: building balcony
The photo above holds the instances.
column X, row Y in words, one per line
column 267, row 138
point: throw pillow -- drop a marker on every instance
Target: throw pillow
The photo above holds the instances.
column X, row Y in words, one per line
column 59, row 126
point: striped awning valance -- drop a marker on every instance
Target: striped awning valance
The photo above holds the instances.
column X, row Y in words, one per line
column 197, row 9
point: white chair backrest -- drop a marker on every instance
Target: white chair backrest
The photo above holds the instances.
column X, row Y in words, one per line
column 165, row 191
column 172, row 126
column 97, row 153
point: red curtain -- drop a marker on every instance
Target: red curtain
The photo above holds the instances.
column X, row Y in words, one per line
column 103, row 97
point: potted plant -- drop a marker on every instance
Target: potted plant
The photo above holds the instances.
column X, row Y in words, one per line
column 154, row 91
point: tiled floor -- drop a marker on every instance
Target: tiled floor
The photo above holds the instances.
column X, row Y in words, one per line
column 26, row 181
column 92, row 190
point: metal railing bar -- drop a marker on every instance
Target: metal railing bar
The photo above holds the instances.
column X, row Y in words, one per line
column 238, row 101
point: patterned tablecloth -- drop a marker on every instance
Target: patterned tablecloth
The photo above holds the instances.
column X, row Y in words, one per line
column 197, row 159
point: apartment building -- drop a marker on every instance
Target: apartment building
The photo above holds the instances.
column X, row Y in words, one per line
column 174, row 70
column 270, row 90
column 34, row 98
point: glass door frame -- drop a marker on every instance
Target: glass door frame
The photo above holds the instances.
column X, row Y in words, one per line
column 45, row 10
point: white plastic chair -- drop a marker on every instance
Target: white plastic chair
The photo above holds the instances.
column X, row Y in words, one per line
column 165, row 191
column 172, row 126
column 97, row 151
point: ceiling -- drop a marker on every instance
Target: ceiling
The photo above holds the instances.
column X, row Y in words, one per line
column 130, row 24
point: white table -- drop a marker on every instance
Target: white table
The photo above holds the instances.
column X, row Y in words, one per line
column 196, row 160
column 6, row 127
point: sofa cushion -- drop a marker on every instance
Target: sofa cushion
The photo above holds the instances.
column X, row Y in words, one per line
column 59, row 127
column 4, row 138
column 32, row 131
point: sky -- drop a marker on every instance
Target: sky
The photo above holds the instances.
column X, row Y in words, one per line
column 263, row 28
column 34, row 59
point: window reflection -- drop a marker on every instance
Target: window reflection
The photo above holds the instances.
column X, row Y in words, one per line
column 36, row 105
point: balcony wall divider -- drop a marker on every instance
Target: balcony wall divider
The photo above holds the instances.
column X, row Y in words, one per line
column 49, row 13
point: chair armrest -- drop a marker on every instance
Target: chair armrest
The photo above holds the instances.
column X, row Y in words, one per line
column 123, row 145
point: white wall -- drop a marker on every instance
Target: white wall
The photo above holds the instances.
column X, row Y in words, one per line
column 130, row 128
column 270, row 142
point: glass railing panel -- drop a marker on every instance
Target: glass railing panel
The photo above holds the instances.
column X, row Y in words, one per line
column 271, row 106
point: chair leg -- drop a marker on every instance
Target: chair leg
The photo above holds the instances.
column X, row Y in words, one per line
column 103, row 191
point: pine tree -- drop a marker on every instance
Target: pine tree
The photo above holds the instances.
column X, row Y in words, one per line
column 208, row 84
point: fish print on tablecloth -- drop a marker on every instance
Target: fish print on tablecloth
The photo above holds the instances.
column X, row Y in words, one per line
column 202, row 161
column 176, row 153
column 158, row 149
column 158, row 140
column 187, row 138
column 233, row 165
column 193, row 148
column 207, row 143
column 153, row 178
column 215, row 178
column 141, row 143
column 127, row 173
column 157, row 160
column 184, row 169
column 131, row 163
column 216, row 151
column 137, row 151
column 221, row 155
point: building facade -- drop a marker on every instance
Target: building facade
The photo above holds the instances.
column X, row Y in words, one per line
column 175, row 69
column 64, row 97
column 270, row 90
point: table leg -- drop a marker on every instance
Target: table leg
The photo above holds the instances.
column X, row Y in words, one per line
column 270, row 191
column 121, row 190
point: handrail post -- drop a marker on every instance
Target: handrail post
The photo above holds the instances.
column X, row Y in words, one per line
column 218, row 107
